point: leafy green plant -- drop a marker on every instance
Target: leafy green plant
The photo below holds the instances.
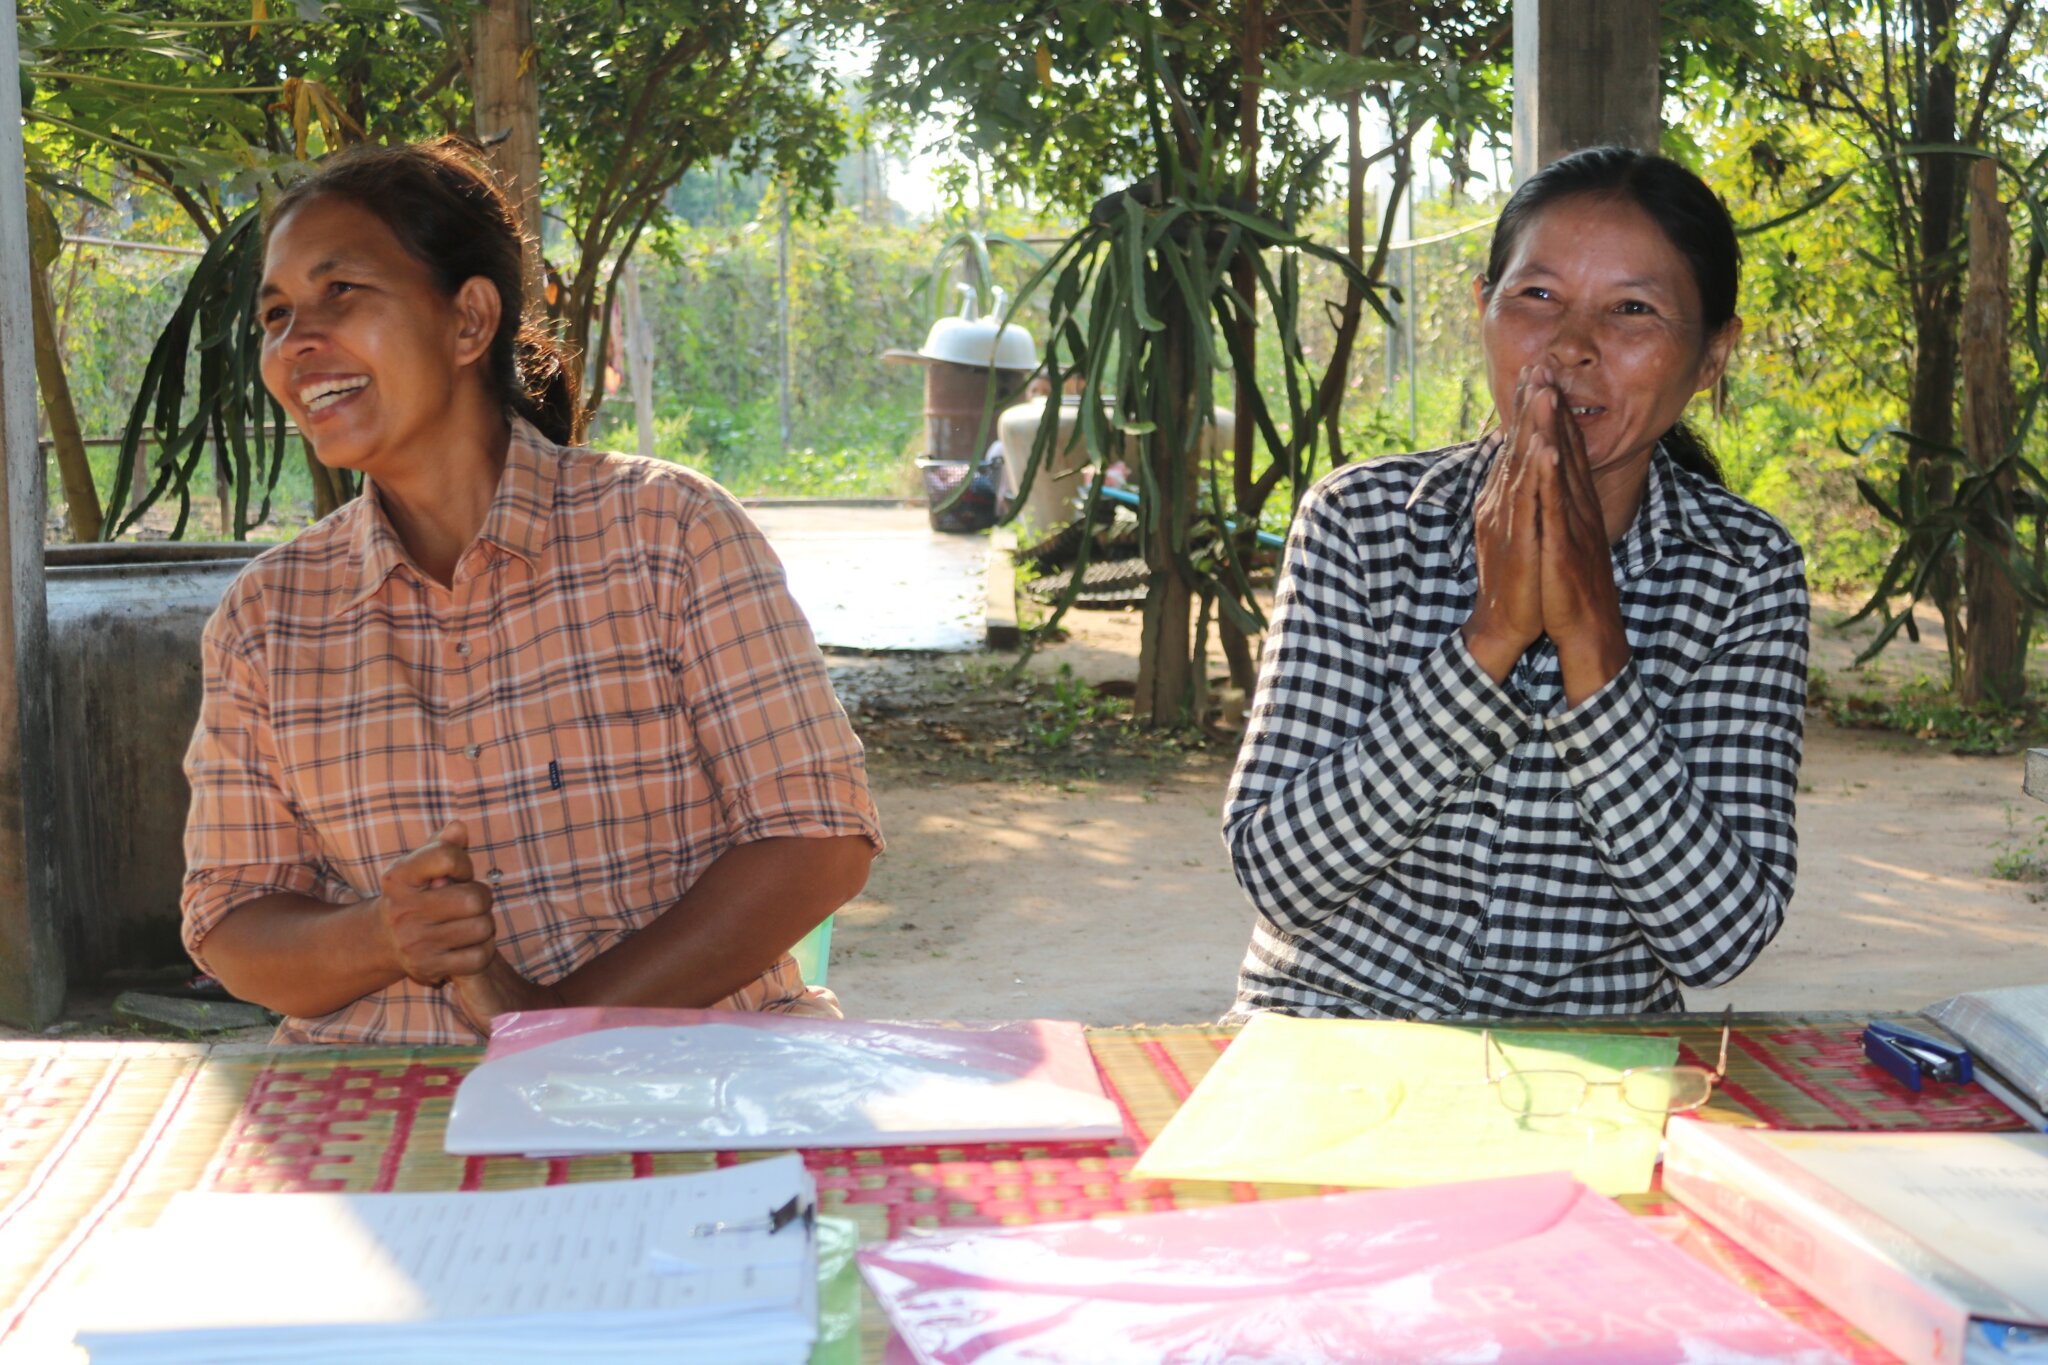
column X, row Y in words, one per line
column 227, row 409
column 1925, row 708
column 1057, row 714
column 971, row 251
column 2021, row 858
column 1134, row 296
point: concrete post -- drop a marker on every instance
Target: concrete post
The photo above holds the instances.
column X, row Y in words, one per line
column 639, row 358
column 31, row 966
column 1585, row 73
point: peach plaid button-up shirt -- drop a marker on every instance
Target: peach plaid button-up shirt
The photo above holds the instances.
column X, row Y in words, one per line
column 615, row 689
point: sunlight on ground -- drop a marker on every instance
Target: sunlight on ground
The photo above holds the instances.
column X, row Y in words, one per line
column 1925, row 878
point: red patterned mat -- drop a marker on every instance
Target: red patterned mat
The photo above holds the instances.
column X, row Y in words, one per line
column 373, row 1119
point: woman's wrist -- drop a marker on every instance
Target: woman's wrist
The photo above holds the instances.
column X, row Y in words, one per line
column 1587, row 667
column 499, row 989
column 1495, row 655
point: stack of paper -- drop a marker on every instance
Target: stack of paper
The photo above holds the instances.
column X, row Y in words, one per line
column 616, row 1080
column 1535, row 1270
column 675, row 1267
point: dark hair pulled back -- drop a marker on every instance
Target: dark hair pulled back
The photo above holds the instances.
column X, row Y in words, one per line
column 1691, row 216
column 448, row 211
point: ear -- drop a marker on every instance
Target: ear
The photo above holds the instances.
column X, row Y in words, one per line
column 1479, row 292
column 1720, row 347
column 477, row 310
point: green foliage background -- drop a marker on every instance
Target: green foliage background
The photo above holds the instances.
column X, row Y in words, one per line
column 1823, row 364
column 859, row 287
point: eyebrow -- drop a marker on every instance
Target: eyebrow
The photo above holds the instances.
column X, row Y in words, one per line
column 1645, row 282
column 329, row 266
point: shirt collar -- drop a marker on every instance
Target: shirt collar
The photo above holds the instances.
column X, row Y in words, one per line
column 1671, row 510
column 517, row 521
column 1451, row 486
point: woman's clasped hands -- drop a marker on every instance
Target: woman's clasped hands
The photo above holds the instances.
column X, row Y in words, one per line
column 437, row 924
column 1542, row 543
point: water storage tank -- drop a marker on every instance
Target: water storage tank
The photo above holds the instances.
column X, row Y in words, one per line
column 124, row 694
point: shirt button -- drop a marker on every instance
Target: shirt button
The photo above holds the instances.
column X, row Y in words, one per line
column 462, row 647
column 1575, row 756
column 496, row 876
column 473, row 750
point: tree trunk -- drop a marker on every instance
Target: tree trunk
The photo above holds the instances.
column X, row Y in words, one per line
column 1931, row 410
column 1166, row 666
column 81, row 498
column 508, row 106
column 1236, row 648
column 1994, row 654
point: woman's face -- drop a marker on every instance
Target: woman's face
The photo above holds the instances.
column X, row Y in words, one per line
column 359, row 344
column 1596, row 291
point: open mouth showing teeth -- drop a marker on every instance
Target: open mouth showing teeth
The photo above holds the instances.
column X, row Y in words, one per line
column 329, row 391
column 1586, row 412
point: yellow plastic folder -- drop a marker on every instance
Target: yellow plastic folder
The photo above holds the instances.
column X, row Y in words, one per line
column 1351, row 1102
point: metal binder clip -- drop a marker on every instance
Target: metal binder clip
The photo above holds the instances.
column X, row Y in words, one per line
column 1910, row 1057
column 794, row 1210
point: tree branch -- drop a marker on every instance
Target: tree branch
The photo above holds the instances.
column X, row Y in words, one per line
column 2000, row 48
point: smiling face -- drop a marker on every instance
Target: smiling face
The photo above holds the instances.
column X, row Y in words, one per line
column 1596, row 291
column 359, row 343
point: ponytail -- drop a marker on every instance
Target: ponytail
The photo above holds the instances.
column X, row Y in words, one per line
column 544, row 389
column 1689, row 452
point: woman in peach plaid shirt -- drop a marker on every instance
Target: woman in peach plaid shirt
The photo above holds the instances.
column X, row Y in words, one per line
column 522, row 726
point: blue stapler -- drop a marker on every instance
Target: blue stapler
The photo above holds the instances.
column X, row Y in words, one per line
column 1911, row 1057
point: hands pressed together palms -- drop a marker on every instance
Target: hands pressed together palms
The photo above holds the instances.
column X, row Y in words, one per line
column 1541, row 539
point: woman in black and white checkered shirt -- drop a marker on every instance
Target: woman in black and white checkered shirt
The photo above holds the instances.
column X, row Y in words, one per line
column 1528, row 727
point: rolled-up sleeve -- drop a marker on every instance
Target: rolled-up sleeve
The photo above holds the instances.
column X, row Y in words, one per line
column 1691, row 810
column 244, row 837
column 772, row 733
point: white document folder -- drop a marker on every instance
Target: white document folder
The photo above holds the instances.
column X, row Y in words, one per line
column 726, row 1081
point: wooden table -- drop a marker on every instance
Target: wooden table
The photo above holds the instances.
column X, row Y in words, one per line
column 95, row 1137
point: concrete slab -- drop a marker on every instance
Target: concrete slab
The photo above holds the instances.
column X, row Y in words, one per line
column 879, row 578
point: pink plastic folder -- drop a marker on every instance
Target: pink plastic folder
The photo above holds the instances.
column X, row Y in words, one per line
column 1527, row 1269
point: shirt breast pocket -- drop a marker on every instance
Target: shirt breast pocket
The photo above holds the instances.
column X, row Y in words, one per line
column 610, row 765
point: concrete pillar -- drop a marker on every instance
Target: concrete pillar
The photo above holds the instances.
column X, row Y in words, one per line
column 1585, row 73
column 31, row 966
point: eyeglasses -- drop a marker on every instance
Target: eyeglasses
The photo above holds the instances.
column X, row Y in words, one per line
column 1652, row 1089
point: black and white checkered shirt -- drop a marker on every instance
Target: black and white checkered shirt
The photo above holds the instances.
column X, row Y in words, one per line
column 1421, row 841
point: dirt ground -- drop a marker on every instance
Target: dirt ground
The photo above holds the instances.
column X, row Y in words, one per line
column 1086, row 879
